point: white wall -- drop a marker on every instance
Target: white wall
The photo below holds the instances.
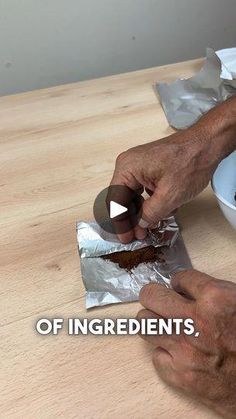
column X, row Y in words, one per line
column 50, row 42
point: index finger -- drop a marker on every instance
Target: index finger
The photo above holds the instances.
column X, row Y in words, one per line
column 165, row 302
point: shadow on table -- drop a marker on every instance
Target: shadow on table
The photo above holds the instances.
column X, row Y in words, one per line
column 204, row 211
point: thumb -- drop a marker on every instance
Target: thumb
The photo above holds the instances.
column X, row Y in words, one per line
column 154, row 209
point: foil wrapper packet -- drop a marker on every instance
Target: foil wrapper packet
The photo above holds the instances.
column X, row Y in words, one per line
column 106, row 282
column 184, row 101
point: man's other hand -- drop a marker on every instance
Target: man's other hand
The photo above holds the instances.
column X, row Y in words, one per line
column 204, row 366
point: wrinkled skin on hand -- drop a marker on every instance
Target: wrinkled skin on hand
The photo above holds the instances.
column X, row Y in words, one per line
column 204, row 367
column 173, row 171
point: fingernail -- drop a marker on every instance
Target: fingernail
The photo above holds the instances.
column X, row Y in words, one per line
column 143, row 223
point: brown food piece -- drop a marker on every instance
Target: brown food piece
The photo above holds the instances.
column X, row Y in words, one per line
column 130, row 259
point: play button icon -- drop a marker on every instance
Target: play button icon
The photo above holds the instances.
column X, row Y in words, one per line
column 117, row 209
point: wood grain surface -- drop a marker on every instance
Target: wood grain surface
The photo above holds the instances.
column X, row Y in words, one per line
column 57, row 150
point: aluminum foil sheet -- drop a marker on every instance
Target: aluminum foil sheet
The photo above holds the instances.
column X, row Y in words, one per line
column 185, row 100
column 106, row 283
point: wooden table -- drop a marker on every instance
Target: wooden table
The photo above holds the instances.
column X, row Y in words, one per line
column 57, row 149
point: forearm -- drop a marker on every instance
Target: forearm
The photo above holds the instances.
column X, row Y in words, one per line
column 216, row 131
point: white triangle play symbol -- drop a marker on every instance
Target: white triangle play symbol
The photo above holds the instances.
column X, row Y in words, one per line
column 116, row 209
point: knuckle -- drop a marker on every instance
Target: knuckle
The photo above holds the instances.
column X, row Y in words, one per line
column 156, row 359
column 162, row 150
column 178, row 278
column 159, row 361
column 219, row 296
column 167, row 374
column 212, row 292
column 189, row 378
column 121, row 157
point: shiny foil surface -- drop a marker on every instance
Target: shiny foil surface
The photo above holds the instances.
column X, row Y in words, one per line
column 185, row 100
column 106, row 283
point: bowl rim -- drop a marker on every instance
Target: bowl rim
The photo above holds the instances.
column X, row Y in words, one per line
column 220, row 198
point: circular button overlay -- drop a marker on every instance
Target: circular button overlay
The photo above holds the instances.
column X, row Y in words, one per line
column 118, row 209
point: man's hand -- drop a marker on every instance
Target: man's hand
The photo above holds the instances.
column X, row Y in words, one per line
column 177, row 168
column 204, row 366
column 172, row 170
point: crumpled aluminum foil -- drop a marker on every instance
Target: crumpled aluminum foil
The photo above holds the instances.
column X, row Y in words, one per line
column 185, row 100
column 106, row 283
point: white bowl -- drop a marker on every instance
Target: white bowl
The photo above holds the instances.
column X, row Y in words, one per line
column 228, row 58
column 224, row 186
